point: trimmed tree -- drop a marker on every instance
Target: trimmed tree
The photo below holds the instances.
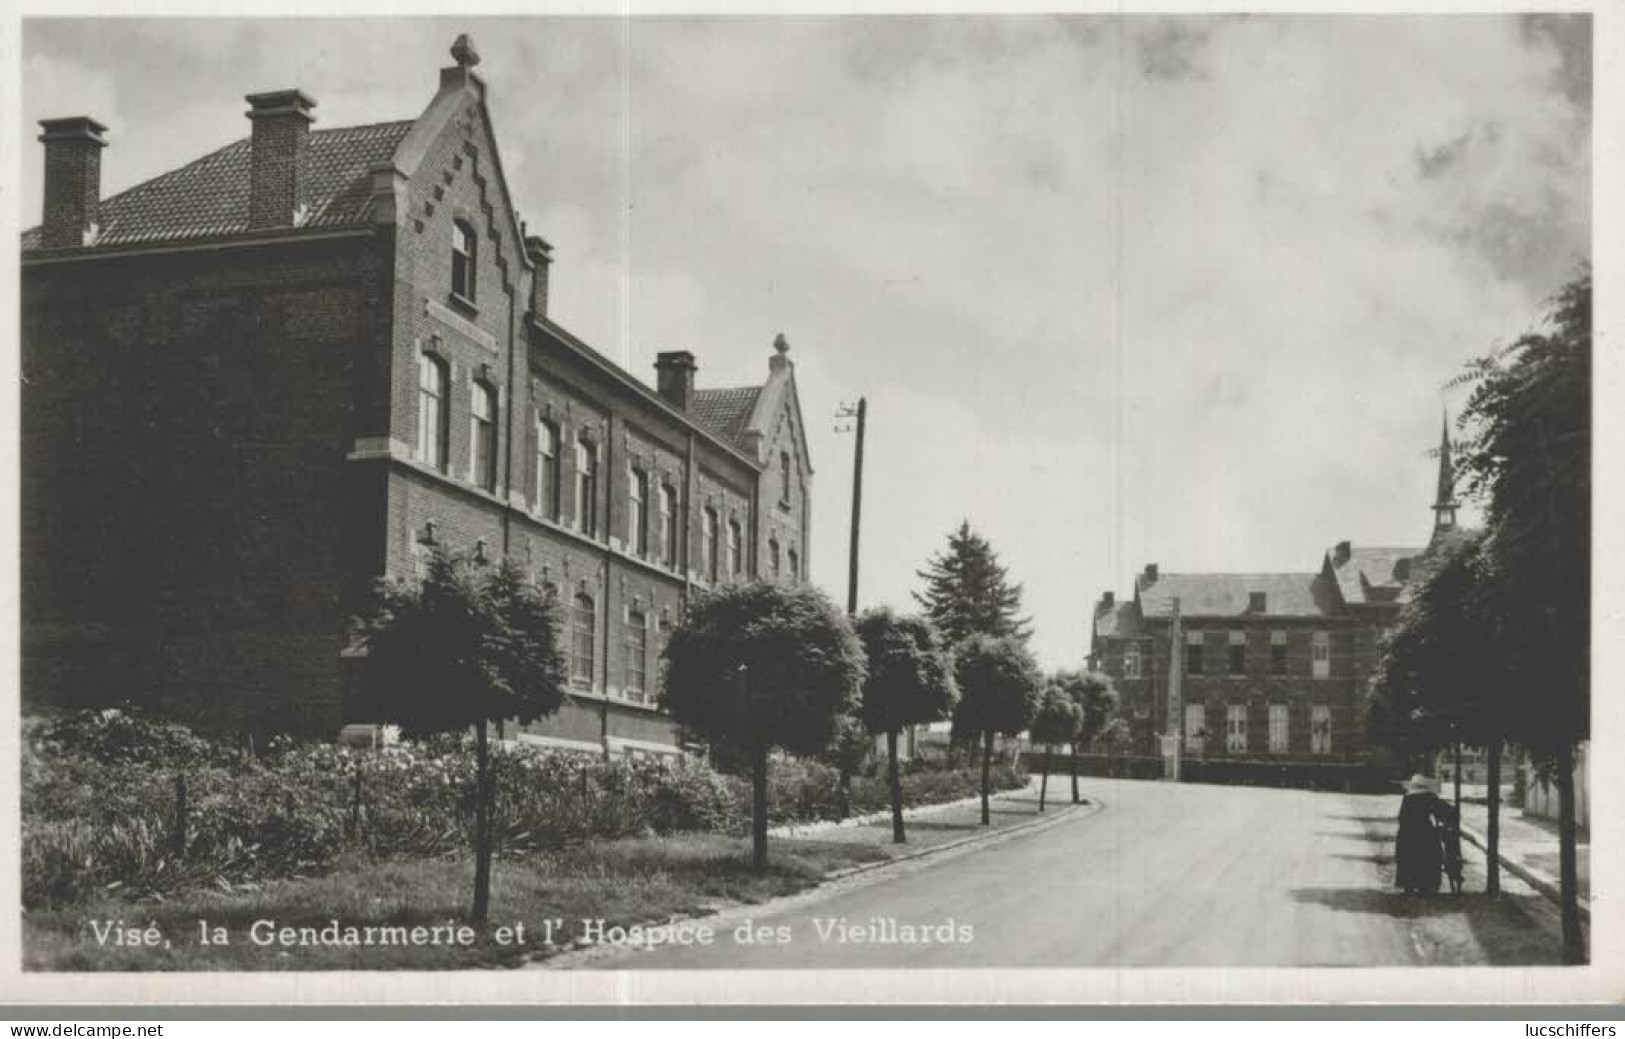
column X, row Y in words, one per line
column 757, row 666
column 910, row 682
column 848, row 749
column 967, row 590
column 1097, row 702
column 466, row 646
column 1056, row 721
column 999, row 685
column 1531, row 460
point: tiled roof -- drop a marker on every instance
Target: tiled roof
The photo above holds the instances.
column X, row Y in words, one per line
column 724, row 411
column 209, row 197
column 1372, row 575
column 1230, row 595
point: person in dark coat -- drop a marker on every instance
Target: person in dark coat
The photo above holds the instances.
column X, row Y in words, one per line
column 1418, row 857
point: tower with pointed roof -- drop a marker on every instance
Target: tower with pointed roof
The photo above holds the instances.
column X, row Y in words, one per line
column 1444, row 502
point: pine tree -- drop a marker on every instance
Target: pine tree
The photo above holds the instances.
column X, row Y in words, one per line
column 968, row 591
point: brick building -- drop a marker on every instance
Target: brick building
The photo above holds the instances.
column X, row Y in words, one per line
column 258, row 382
column 1274, row 666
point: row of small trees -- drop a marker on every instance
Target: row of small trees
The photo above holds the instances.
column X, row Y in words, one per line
column 1493, row 648
column 751, row 669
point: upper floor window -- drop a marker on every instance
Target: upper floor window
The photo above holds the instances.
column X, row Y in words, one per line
column 1277, row 652
column 784, row 478
column 587, row 487
column 583, row 629
column 713, row 554
column 1238, row 653
column 794, row 565
column 637, row 513
column 482, row 449
column 547, row 469
column 464, row 253
column 736, row 549
column 1321, row 658
column 668, row 524
column 432, row 401
column 1131, row 660
column 1193, row 652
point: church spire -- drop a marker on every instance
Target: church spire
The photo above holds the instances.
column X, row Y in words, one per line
column 1444, row 505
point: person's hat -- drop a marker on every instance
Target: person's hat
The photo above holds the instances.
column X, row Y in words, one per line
column 1418, row 783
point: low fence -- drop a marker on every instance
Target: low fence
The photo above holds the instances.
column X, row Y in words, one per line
column 1360, row 777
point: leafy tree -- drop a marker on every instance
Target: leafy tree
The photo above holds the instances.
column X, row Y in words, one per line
column 999, row 685
column 760, row 666
column 467, row 646
column 1057, row 720
column 1097, row 702
column 967, row 591
column 848, row 749
column 1531, row 462
column 910, row 681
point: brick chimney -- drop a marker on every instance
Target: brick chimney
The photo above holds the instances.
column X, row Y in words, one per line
column 1340, row 553
column 1108, row 598
column 541, row 257
column 276, row 189
column 73, row 180
column 1150, row 575
column 675, row 370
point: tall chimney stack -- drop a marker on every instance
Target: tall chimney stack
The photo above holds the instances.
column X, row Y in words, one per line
column 276, row 189
column 675, row 370
column 73, row 180
column 541, row 258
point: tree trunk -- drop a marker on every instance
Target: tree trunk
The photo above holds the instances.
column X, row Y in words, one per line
column 1574, row 947
column 894, row 779
column 987, row 774
column 1043, row 781
column 482, row 825
column 1458, row 779
column 758, row 812
column 846, row 793
column 1074, row 766
column 1492, row 851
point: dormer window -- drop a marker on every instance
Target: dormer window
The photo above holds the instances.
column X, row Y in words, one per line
column 464, row 252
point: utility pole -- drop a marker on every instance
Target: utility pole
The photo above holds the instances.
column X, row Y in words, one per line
column 1176, row 697
column 851, row 418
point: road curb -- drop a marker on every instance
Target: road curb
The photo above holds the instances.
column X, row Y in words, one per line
column 1540, row 880
column 799, row 830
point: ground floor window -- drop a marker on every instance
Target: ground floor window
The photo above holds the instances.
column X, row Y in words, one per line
column 582, row 649
column 1235, row 728
column 1320, row 729
column 637, row 655
column 1195, row 727
column 1278, row 728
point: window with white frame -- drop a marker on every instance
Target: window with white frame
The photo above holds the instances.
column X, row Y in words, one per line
column 1278, row 728
column 637, row 513
column 637, row 655
column 1131, row 659
column 547, row 469
column 668, row 524
column 1321, row 657
column 583, row 634
column 464, row 257
column 1195, row 727
column 587, row 487
column 1277, row 652
column 1235, row 728
column 433, row 381
column 1320, row 729
column 482, row 437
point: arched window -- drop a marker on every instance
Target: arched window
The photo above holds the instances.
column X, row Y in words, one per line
column 795, row 565
column 582, row 631
column 432, row 425
column 713, row 549
column 547, row 469
column 784, row 478
column 668, row 524
column 587, row 487
column 482, row 438
column 773, row 557
column 637, row 513
column 464, row 255
column 736, row 549
column 637, row 655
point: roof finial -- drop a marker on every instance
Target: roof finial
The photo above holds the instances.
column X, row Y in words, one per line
column 781, row 344
column 463, row 52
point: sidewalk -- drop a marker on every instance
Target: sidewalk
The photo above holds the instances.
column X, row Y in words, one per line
column 1529, row 848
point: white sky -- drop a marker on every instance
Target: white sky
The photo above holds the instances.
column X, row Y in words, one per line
column 1118, row 290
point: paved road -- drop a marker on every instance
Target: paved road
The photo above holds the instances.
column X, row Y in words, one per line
column 1164, row 875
